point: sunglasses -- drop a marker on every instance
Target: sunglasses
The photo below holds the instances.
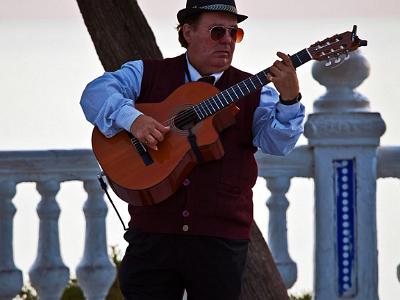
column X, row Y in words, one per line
column 218, row 32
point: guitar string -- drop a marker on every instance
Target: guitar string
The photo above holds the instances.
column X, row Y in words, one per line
column 207, row 103
column 186, row 115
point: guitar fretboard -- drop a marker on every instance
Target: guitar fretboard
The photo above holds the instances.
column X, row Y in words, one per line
column 214, row 104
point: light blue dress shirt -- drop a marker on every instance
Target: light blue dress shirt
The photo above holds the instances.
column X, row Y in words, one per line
column 109, row 103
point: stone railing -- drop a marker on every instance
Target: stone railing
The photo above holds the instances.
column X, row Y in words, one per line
column 278, row 172
column 345, row 161
column 48, row 274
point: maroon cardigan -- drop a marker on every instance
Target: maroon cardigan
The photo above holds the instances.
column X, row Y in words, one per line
column 216, row 199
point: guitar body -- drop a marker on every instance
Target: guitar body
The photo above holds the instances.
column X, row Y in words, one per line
column 140, row 184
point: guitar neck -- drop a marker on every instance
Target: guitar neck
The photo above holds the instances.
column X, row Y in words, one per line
column 214, row 104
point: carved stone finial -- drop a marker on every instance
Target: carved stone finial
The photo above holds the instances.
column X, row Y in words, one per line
column 340, row 83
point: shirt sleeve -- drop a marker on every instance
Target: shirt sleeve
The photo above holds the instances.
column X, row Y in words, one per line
column 276, row 127
column 108, row 101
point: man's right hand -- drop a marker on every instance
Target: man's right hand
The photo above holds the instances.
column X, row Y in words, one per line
column 148, row 131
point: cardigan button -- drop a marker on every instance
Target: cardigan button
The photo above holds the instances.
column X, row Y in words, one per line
column 185, row 228
column 185, row 213
column 186, row 182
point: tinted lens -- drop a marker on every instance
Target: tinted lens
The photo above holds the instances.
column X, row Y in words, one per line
column 239, row 35
column 218, row 32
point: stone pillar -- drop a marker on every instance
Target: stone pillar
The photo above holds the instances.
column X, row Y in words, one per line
column 95, row 272
column 48, row 274
column 277, row 230
column 344, row 136
column 10, row 276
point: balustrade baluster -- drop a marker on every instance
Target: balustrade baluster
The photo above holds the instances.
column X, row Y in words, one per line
column 95, row 272
column 277, row 231
column 10, row 276
column 48, row 274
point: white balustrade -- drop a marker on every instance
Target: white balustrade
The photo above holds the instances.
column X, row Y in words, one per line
column 278, row 171
column 10, row 276
column 277, row 230
column 389, row 166
column 95, row 272
column 48, row 275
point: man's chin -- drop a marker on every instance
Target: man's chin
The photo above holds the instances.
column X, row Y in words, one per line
column 222, row 64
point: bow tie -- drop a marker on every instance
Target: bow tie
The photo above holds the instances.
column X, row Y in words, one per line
column 208, row 79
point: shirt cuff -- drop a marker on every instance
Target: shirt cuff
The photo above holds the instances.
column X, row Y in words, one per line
column 287, row 112
column 126, row 116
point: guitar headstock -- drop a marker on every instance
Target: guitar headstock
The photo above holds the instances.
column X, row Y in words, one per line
column 333, row 48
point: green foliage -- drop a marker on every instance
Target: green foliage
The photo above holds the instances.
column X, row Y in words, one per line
column 27, row 293
column 114, row 292
column 73, row 291
column 302, row 297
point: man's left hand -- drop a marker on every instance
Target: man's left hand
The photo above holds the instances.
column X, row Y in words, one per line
column 283, row 75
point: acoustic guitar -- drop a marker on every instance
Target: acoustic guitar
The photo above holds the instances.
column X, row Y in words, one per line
column 196, row 112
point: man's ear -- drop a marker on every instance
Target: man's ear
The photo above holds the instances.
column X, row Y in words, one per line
column 187, row 31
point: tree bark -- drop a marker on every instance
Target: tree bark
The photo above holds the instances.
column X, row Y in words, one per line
column 120, row 33
column 261, row 280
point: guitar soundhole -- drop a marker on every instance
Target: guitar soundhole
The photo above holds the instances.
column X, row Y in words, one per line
column 186, row 119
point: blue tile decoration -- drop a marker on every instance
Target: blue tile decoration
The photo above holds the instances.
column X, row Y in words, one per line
column 345, row 196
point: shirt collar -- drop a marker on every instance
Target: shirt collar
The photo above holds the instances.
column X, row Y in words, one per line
column 195, row 75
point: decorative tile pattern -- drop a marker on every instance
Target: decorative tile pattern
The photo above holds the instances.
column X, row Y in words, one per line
column 345, row 195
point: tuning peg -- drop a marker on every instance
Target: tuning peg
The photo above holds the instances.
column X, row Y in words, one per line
column 347, row 57
column 338, row 60
column 328, row 63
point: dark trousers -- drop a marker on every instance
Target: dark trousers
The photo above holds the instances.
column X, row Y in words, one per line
column 162, row 266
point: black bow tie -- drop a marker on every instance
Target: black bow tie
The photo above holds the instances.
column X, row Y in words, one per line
column 208, row 79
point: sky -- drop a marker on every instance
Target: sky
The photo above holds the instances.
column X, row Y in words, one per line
column 37, row 56
column 27, row 9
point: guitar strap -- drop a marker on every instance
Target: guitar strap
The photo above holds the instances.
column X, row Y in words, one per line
column 191, row 136
column 193, row 143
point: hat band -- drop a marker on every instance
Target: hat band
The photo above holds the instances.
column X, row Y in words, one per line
column 219, row 7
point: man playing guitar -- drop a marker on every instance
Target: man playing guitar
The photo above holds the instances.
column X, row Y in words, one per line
column 196, row 239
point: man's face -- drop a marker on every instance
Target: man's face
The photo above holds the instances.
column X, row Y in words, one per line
column 206, row 55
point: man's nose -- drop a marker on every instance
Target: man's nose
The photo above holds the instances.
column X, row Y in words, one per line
column 227, row 38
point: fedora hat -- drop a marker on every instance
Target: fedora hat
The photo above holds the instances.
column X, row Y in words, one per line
column 194, row 7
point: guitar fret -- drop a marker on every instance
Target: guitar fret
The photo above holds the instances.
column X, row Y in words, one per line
column 259, row 79
column 195, row 110
column 222, row 104
column 226, row 91
column 246, row 87
column 203, row 110
column 227, row 102
column 240, row 89
column 208, row 109
column 234, row 92
column 300, row 58
column 212, row 105
column 252, row 83
column 216, row 103
column 265, row 74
